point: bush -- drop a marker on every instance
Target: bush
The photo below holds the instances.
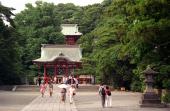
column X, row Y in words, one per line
column 166, row 84
column 166, row 98
column 136, row 86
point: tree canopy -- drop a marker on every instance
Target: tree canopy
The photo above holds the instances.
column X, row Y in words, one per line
column 129, row 36
column 10, row 66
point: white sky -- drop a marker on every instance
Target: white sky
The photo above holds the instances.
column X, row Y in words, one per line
column 20, row 4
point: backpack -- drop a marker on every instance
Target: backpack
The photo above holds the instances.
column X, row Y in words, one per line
column 109, row 93
column 103, row 91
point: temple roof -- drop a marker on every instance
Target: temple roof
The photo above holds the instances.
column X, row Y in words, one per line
column 70, row 29
column 50, row 53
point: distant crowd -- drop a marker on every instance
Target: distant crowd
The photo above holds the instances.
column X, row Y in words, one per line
column 65, row 80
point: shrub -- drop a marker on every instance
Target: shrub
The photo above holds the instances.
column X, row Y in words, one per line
column 136, row 86
column 166, row 98
column 166, row 84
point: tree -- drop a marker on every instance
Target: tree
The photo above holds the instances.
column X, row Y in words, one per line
column 134, row 29
column 9, row 57
column 37, row 25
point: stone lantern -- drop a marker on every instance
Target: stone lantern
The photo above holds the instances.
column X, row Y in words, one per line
column 149, row 97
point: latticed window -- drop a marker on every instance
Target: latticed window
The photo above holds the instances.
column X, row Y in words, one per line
column 61, row 71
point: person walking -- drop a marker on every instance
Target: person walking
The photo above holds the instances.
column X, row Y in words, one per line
column 108, row 101
column 72, row 93
column 50, row 88
column 102, row 94
column 42, row 89
column 63, row 94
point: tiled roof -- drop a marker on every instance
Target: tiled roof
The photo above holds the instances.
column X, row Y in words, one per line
column 50, row 53
column 70, row 29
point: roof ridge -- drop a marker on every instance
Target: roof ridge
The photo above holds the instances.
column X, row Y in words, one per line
column 59, row 45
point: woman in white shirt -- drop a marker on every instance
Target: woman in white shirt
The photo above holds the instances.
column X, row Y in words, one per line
column 72, row 92
column 108, row 101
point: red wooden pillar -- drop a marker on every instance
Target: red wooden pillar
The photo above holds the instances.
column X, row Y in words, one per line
column 66, row 74
column 45, row 73
column 55, row 70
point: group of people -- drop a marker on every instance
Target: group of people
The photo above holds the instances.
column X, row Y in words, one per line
column 44, row 86
column 65, row 79
column 49, row 85
column 70, row 80
column 105, row 94
column 43, row 79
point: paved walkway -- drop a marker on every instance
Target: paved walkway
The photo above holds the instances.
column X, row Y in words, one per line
column 47, row 103
column 88, row 100
column 15, row 101
column 121, row 101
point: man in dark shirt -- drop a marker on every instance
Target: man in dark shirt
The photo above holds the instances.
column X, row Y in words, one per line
column 102, row 94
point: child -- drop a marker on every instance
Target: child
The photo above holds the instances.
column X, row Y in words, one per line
column 42, row 88
column 63, row 94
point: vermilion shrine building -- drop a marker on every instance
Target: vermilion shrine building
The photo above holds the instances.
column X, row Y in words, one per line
column 63, row 59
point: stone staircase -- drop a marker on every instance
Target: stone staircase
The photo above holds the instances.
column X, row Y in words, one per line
column 35, row 88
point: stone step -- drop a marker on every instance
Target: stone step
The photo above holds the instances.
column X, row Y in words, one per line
column 27, row 88
column 6, row 87
column 161, row 105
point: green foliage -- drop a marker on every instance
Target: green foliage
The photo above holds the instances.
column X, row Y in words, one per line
column 165, row 74
column 9, row 58
column 137, row 30
column 37, row 25
column 166, row 98
column 166, row 83
column 90, row 18
column 69, row 13
column 136, row 86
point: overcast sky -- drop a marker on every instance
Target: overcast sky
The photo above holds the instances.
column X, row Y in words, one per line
column 20, row 4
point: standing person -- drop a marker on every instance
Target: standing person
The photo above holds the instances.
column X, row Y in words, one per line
column 70, row 79
column 42, row 88
column 39, row 80
column 102, row 94
column 63, row 94
column 76, row 82
column 72, row 93
column 108, row 102
column 55, row 79
column 50, row 88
